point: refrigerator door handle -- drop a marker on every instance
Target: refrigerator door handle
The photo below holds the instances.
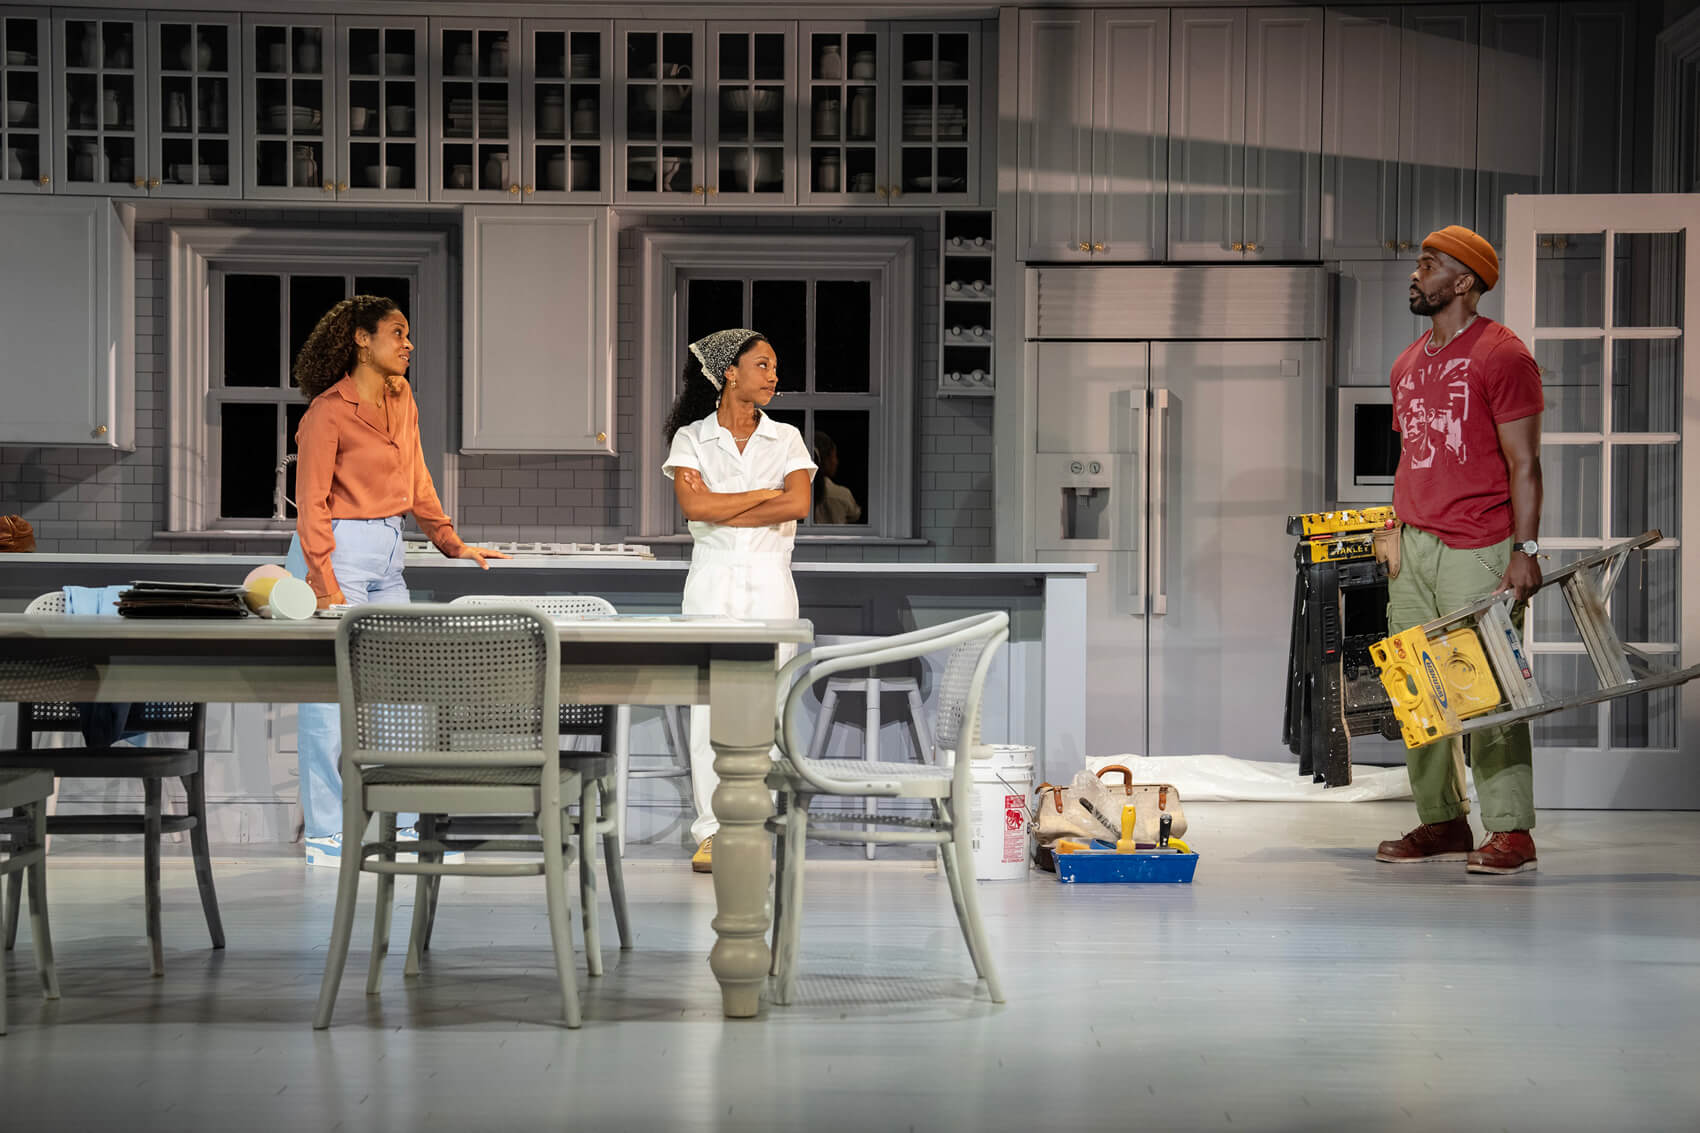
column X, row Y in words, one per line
column 1142, row 514
column 1158, row 511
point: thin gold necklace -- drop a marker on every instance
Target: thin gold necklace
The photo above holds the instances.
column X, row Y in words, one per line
column 1431, row 350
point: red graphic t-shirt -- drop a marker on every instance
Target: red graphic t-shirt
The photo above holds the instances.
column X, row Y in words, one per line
column 1452, row 479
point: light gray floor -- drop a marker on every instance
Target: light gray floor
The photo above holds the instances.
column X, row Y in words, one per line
column 1295, row 985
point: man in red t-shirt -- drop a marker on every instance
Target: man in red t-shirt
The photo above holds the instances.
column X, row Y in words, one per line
column 1467, row 405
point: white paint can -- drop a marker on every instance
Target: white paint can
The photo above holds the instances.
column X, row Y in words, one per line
column 1002, row 780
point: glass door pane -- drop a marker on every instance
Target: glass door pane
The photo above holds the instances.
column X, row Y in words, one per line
column 567, row 105
column 193, row 107
column 386, row 68
column 751, row 75
column 25, row 103
column 104, row 91
column 477, row 68
column 936, row 85
column 291, row 85
column 843, row 72
column 659, row 111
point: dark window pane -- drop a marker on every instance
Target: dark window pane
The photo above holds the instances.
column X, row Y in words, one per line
column 393, row 288
column 779, row 308
column 247, row 457
column 253, row 350
column 843, row 322
column 711, row 305
column 292, row 415
column 310, row 296
column 840, row 447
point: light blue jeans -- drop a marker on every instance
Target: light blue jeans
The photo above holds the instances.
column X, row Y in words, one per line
column 367, row 560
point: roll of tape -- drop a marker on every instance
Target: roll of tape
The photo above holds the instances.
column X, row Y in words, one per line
column 292, row 599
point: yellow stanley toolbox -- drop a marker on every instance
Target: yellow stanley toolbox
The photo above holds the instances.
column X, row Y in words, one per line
column 1315, row 523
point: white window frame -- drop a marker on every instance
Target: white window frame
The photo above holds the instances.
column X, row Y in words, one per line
column 669, row 258
column 194, row 252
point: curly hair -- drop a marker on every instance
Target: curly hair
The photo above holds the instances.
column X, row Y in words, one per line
column 329, row 353
column 697, row 398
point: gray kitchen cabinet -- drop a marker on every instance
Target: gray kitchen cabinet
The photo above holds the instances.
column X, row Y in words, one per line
column 1092, row 149
column 290, row 101
column 101, row 103
column 1516, row 108
column 26, row 101
column 524, row 391
column 844, row 134
column 1595, row 131
column 935, row 113
column 752, row 110
column 475, row 84
column 1373, row 320
column 384, row 89
column 67, row 318
column 1397, row 163
column 658, row 116
column 1245, row 134
column 194, row 128
column 567, row 120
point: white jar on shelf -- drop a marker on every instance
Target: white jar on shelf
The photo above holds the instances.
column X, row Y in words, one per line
column 831, row 62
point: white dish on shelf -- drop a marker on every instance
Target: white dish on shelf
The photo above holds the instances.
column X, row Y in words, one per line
column 20, row 59
column 918, row 69
column 949, row 69
column 927, row 184
column 383, row 176
column 398, row 63
column 18, row 112
column 666, row 98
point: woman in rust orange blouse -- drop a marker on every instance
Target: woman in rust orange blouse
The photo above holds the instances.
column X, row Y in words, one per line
column 360, row 471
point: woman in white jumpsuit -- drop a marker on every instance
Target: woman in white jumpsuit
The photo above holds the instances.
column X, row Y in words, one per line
column 743, row 480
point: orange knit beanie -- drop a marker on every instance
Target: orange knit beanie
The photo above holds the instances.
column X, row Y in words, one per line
column 1468, row 249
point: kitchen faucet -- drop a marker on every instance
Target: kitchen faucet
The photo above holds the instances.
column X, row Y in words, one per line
column 279, row 498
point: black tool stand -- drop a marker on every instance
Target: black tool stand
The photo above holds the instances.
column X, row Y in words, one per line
column 1333, row 688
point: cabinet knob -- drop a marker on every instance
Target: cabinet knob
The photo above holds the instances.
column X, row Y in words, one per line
column 1099, row 247
column 1561, row 242
column 153, row 182
column 879, row 189
column 1392, row 245
column 330, row 186
column 99, row 431
column 342, row 186
column 141, row 182
column 1251, row 247
column 601, row 438
column 44, row 179
column 714, row 190
column 529, row 190
column 1085, row 247
column 1546, row 241
column 1404, row 245
column 513, row 190
column 896, row 191
column 1237, row 246
column 698, row 190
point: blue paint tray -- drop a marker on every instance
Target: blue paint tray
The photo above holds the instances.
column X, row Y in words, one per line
column 1095, row 866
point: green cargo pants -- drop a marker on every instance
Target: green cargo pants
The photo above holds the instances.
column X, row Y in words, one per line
column 1433, row 581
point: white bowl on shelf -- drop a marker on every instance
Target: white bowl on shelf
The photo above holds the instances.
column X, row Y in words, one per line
column 918, row 69
column 19, row 112
column 665, row 98
column 398, row 63
column 20, row 59
column 384, row 176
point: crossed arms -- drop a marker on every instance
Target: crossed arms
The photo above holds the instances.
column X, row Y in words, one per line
column 759, row 508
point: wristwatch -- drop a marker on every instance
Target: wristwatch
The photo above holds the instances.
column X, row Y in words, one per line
column 1528, row 547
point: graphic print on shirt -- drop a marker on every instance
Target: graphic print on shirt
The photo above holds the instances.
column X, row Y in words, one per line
column 1433, row 405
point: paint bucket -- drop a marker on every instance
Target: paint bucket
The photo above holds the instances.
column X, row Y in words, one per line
column 1002, row 780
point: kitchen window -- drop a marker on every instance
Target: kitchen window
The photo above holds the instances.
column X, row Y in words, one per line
column 838, row 311
column 240, row 305
column 260, row 321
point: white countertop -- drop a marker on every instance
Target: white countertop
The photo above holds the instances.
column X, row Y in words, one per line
column 547, row 562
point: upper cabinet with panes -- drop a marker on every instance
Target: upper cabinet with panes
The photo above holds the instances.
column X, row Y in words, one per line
column 568, row 118
column 194, row 106
column 475, row 74
column 891, row 111
column 335, row 107
column 101, row 103
column 26, row 103
column 658, row 117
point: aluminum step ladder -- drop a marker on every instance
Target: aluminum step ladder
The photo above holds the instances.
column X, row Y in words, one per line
column 1469, row 671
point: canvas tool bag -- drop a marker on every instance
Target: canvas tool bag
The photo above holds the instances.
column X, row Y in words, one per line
column 1385, row 542
column 1061, row 813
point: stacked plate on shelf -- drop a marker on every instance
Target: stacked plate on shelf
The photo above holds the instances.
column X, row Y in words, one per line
column 953, row 123
column 490, row 115
column 302, row 118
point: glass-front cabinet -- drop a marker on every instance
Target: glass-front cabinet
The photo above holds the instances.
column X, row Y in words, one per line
column 290, row 106
column 476, row 75
column 658, row 118
column 26, row 102
column 101, row 103
column 383, row 75
column 194, row 107
column 569, row 116
column 752, row 113
column 844, row 71
column 937, row 123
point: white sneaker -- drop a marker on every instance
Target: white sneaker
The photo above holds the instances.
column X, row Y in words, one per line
column 325, row 851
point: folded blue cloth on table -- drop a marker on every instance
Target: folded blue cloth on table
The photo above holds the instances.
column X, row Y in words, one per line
column 103, row 724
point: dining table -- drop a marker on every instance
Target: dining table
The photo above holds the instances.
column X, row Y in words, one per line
column 725, row 663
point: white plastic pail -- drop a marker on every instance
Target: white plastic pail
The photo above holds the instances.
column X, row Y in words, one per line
column 1002, row 777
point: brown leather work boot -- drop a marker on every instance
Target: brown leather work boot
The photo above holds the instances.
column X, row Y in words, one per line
column 1505, row 851
column 1431, row 842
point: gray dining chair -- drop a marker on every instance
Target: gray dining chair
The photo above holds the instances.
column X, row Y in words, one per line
column 971, row 642
column 23, row 840
column 450, row 710
column 601, row 802
column 151, row 765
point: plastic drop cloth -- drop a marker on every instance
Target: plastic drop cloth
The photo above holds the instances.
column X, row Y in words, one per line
column 1223, row 778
